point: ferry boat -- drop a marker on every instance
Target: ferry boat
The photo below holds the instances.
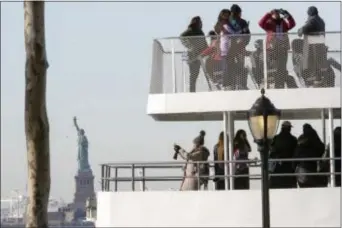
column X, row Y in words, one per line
column 169, row 99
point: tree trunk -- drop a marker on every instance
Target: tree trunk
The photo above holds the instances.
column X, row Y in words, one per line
column 36, row 120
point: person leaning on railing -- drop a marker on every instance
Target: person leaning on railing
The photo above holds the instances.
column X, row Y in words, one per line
column 193, row 39
column 314, row 54
column 328, row 74
column 212, row 64
column 276, row 24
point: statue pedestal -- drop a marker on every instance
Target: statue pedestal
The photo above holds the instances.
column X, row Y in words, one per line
column 84, row 188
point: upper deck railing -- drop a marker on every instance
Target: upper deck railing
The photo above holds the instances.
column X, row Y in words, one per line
column 248, row 67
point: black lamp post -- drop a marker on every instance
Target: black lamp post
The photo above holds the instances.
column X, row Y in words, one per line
column 263, row 120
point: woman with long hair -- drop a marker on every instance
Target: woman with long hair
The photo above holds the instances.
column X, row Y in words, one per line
column 219, row 167
column 193, row 39
column 221, row 28
column 241, row 150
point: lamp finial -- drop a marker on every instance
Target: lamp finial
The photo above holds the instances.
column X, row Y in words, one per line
column 262, row 92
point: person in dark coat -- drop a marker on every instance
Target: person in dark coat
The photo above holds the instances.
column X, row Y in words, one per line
column 241, row 150
column 257, row 62
column 257, row 66
column 314, row 53
column 277, row 42
column 328, row 79
column 309, row 146
column 219, row 167
column 283, row 146
column 194, row 40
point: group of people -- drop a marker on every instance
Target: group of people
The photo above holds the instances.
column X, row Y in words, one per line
column 225, row 66
column 283, row 146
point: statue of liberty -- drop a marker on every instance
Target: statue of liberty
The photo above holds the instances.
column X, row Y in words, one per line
column 82, row 155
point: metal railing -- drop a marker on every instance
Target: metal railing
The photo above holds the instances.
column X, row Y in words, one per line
column 107, row 178
column 176, row 62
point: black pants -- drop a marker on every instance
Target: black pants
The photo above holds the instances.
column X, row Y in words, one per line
column 220, row 184
column 277, row 59
column 194, row 69
column 317, row 61
column 283, row 181
column 234, row 72
column 241, row 182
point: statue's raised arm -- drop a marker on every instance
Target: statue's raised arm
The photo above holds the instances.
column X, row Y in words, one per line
column 76, row 125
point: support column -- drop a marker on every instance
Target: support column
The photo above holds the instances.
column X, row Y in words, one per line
column 324, row 136
column 226, row 150
column 231, row 133
column 331, row 147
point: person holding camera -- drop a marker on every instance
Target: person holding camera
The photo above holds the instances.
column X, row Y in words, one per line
column 193, row 170
column 276, row 24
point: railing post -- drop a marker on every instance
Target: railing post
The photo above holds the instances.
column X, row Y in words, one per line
column 226, row 151
column 143, row 179
column 108, row 178
column 231, row 148
column 212, row 170
column 133, row 177
column 184, row 59
column 324, row 127
column 173, row 67
column 198, row 176
column 265, row 63
column 331, row 148
column 116, row 179
column 102, row 177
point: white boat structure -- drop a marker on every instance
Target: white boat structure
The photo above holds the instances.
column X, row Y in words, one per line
column 170, row 100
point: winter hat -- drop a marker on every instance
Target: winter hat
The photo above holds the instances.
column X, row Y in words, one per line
column 287, row 124
column 312, row 11
column 235, row 9
column 199, row 140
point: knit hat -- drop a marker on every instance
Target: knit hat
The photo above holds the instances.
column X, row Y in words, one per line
column 199, row 140
column 286, row 124
column 235, row 9
column 312, row 11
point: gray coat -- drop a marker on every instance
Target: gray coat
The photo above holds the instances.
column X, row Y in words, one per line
column 314, row 26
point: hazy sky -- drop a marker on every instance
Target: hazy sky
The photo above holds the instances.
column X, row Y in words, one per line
column 100, row 61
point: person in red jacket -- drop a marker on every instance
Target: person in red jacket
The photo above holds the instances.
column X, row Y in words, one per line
column 213, row 63
column 276, row 24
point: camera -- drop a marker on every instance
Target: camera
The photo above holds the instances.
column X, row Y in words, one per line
column 176, row 149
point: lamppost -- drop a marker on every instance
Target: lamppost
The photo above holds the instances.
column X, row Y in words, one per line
column 263, row 120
